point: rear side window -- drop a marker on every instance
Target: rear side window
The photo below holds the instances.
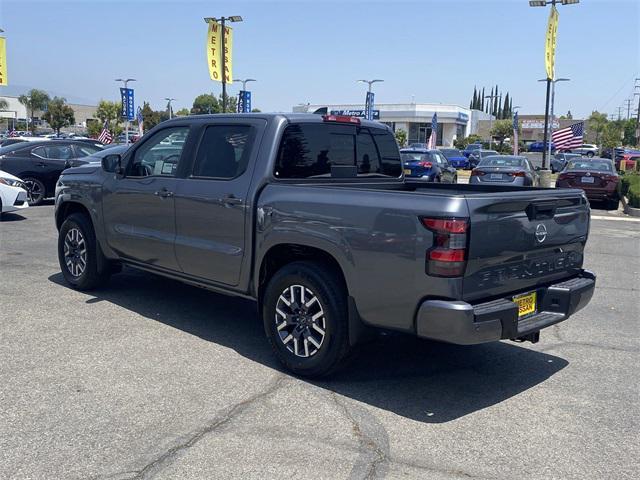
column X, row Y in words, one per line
column 55, row 152
column 223, row 151
column 310, row 150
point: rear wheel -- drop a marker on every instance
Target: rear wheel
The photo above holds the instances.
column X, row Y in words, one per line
column 78, row 253
column 613, row 204
column 35, row 191
column 305, row 318
column 590, row 154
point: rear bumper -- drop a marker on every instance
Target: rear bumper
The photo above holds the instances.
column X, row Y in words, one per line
column 466, row 324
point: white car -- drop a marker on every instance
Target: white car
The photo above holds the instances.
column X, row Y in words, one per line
column 584, row 149
column 13, row 195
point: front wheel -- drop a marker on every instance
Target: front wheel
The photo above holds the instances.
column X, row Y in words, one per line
column 590, row 154
column 305, row 318
column 78, row 253
column 36, row 191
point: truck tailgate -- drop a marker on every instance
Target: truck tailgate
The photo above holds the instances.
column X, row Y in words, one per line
column 519, row 240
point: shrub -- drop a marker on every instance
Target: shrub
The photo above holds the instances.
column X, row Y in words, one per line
column 631, row 189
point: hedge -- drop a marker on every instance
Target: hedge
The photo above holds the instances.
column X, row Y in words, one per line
column 631, row 189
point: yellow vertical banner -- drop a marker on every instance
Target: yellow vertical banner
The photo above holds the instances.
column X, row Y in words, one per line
column 214, row 52
column 550, row 43
column 3, row 61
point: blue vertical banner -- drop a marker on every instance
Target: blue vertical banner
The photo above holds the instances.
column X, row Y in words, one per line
column 368, row 106
column 128, row 110
column 244, row 101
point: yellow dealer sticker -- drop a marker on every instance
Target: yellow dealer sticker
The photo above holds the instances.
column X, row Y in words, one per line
column 526, row 304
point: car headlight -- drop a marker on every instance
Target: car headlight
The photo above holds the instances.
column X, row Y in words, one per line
column 11, row 182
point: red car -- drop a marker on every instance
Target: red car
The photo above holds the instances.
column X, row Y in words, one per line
column 597, row 178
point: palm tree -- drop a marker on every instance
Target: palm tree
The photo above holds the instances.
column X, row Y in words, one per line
column 34, row 100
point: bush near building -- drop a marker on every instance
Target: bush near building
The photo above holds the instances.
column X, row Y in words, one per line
column 631, row 189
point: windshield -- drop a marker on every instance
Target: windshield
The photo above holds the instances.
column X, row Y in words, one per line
column 474, row 146
column 501, row 162
column 593, row 166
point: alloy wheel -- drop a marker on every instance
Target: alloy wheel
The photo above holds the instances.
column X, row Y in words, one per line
column 75, row 252
column 300, row 321
column 34, row 191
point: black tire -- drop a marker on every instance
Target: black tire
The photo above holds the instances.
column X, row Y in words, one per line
column 88, row 277
column 613, row 204
column 590, row 154
column 331, row 300
column 36, row 191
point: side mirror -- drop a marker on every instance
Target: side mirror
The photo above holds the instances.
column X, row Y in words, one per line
column 538, row 169
column 112, row 164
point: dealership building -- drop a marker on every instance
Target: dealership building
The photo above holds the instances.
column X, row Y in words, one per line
column 454, row 121
column 16, row 113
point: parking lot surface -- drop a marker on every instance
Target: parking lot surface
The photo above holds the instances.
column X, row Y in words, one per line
column 149, row 378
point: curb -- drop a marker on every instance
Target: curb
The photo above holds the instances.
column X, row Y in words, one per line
column 629, row 210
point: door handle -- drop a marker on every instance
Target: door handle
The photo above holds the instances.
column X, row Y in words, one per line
column 41, row 164
column 231, row 199
column 164, row 193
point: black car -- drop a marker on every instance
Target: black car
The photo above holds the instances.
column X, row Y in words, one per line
column 39, row 164
column 476, row 155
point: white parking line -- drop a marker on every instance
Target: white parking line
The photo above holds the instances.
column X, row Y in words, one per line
column 615, row 219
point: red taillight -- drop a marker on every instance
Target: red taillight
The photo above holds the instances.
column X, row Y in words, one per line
column 477, row 173
column 341, row 119
column 517, row 174
column 446, row 225
column 426, row 164
column 448, row 255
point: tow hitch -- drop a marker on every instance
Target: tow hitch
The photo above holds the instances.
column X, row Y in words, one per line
column 531, row 337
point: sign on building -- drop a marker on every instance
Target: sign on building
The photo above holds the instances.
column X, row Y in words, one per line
column 361, row 113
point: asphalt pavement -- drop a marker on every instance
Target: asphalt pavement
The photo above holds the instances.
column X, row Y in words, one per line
column 149, row 378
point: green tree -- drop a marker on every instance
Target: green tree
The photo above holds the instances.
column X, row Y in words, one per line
column 34, row 100
column 611, row 135
column 505, row 108
column 183, row 112
column 110, row 112
column 596, row 124
column 232, row 103
column 204, row 104
column 256, row 110
column 401, row 137
column 59, row 114
column 151, row 117
column 501, row 130
column 482, row 102
column 94, row 127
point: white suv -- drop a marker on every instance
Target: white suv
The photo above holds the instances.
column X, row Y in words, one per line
column 585, row 149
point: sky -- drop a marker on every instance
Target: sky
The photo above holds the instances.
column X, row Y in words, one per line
column 433, row 51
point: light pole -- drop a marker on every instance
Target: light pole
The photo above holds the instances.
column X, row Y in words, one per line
column 169, row 99
column 126, row 123
column 553, row 98
column 369, row 82
column 234, row 18
column 544, row 3
column 244, row 86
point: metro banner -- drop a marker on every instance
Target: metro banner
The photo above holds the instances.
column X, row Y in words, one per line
column 214, row 50
column 550, row 43
column 3, row 61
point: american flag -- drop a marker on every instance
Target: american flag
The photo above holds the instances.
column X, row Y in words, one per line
column 13, row 133
column 140, row 119
column 434, row 132
column 105, row 135
column 569, row 137
column 515, row 133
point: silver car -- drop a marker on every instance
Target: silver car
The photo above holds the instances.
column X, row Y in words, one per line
column 584, row 149
column 505, row 170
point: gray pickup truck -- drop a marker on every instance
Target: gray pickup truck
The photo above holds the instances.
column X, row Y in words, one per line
column 311, row 217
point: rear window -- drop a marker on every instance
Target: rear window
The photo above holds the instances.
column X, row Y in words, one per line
column 590, row 165
column 311, row 150
column 501, row 162
column 451, row 152
column 415, row 157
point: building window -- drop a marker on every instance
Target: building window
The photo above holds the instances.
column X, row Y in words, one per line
column 461, row 131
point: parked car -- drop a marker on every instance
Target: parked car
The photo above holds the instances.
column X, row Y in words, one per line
column 540, row 147
column 585, row 149
column 597, row 178
column 311, row 217
column 559, row 160
column 429, row 165
column 39, row 164
column 13, row 195
column 472, row 147
column 505, row 169
column 456, row 158
column 99, row 155
column 476, row 156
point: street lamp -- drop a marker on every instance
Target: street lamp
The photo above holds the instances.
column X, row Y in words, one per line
column 491, row 97
column 208, row 20
column 544, row 3
column 169, row 99
column 126, row 123
column 369, row 82
column 553, row 97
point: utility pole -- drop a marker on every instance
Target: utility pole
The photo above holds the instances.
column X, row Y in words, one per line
column 491, row 97
column 628, row 102
column 620, row 113
column 638, row 113
column 223, row 59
